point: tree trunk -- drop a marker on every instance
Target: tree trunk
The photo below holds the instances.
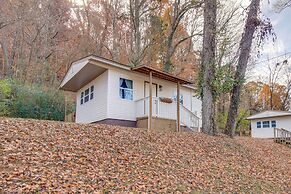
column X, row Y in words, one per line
column 208, row 67
column 245, row 49
column 137, row 36
column 8, row 65
column 167, row 61
column 135, row 9
column 115, row 45
column 114, row 40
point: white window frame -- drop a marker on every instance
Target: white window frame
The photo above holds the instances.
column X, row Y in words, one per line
column 274, row 122
column 90, row 95
column 259, row 124
column 82, row 98
column 127, row 89
column 92, row 92
column 266, row 125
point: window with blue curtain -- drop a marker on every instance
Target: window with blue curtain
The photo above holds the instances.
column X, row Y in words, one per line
column 273, row 124
column 125, row 89
column 266, row 124
column 259, row 124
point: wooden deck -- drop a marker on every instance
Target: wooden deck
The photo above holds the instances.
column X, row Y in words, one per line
column 282, row 136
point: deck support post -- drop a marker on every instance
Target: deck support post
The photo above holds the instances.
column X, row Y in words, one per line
column 178, row 107
column 275, row 134
column 150, row 102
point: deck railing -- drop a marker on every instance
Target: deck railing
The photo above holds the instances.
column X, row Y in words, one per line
column 282, row 136
column 167, row 111
column 189, row 119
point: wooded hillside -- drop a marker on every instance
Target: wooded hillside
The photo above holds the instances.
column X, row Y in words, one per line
column 39, row 39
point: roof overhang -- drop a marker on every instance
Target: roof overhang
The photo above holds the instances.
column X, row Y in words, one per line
column 85, row 70
column 84, row 76
column 144, row 69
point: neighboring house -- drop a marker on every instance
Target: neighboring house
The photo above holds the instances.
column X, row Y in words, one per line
column 113, row 93
column 263, row 124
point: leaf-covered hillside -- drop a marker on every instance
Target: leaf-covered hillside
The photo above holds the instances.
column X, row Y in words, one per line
column 46, row 156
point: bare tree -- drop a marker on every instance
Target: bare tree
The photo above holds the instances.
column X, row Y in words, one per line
column 139, row 10
column 180, row 9
column 279, row 74
column 274, row 75
column 282, row 4
column 286, row 104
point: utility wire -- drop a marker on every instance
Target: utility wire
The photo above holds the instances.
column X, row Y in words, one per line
column 273, row 58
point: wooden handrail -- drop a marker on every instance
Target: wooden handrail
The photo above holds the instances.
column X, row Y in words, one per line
column 144, row 98
column 186, row 109
column 157, row 98
column 282, row 136
column 285, row 132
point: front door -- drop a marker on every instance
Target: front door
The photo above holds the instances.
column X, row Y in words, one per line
column 154, row 89
column 155, row 94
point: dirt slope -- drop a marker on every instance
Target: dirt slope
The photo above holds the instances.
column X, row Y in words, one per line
column 56, row 157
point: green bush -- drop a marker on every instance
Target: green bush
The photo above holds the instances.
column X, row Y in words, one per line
column 5, row 96
column 32, row 101
column 242, row 125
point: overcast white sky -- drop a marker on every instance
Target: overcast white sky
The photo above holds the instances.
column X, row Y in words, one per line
column 282, row 26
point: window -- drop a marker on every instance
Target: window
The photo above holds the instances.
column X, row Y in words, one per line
column 87, row 95
column 259, row 124
column 82, row 97
column 125, row 89
column 273, row 124
column 266, row 124
column 92, row 93
column 181, row 98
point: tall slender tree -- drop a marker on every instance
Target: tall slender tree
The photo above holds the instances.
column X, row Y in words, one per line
column 251, row 25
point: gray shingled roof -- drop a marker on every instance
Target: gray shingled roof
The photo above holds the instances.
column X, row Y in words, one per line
column 269, row 113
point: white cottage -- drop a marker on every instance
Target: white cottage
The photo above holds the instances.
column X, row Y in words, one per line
column 113, row 93
column 263, row 124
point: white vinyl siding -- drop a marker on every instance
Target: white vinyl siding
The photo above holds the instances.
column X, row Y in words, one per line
column 119, row 108
column 267, row 128
column 95, row 108
column 107, row 103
